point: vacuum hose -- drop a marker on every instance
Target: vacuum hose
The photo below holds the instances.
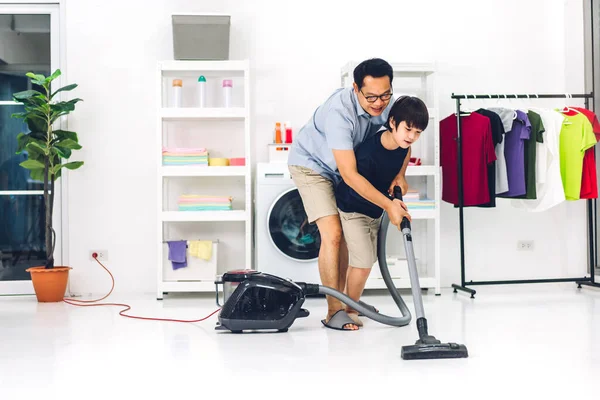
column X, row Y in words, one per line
column 385, row 273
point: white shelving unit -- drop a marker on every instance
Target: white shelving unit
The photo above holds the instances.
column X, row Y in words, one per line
column 191, row 126
column 416, row 79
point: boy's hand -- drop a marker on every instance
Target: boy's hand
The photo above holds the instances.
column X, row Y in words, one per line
column 396, row 211
column 398, row 181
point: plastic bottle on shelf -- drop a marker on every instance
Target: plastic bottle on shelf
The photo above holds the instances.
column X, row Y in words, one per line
column 227, row 88
column 288, row 132
column 202, row 91
column 278, row 132
column 177, row 92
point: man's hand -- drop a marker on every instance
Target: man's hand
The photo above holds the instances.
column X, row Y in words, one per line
column 396, row 211
column 398, row 181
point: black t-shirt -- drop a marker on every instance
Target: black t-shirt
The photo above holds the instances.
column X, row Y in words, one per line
column 379, row 166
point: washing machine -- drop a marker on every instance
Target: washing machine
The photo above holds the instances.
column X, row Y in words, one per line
column 286, row 244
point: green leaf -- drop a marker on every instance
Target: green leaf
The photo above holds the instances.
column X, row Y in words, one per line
column 55, row 75
column 32, row 164
column 18, row 115
column 69, row 144
column 62, row 135
column 37, row 175
column 64, row 89
column 25, row 95
column 65, row 105
column 37, row 148
column 73, row 165
column 22, row 140
column 63, row 152
column 37, row 77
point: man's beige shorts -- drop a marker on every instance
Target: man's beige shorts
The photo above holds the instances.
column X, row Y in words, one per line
column 316, row 192
column 360, row 232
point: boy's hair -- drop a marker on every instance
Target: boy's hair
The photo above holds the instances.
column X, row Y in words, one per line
column 411, row 110
column 375, row 67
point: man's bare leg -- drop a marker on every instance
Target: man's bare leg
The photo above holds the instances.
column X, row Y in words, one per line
column 343, row 265
column 330, row 230
column 357, row 279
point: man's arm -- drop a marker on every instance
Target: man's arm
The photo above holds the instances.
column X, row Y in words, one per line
column 346, row 163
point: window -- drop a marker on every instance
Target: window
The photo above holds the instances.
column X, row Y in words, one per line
column 28, row 43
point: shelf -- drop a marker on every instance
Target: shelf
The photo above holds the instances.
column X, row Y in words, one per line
column 193, row 170
column 235, row 113
column 421, row 214
column 209, row 216
column 204, row 66
column 421, row 170
column 189, row 286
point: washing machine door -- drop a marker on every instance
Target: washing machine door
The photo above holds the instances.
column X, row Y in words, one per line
column 289, row 230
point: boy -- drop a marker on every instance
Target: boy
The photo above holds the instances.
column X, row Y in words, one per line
column 379, row 159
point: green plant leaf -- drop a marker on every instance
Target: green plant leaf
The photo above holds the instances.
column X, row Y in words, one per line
column 18, row 115
column 37, row 147
column 64, row 89
column 69, row 144
column 37, row 174
column 32, row 164
column 62, row 135
column 63, row 152
column 25, row 95
column 55, row 75
column 37, row 77
column 73, row 165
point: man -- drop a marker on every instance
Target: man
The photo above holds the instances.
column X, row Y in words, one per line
column 322, row 155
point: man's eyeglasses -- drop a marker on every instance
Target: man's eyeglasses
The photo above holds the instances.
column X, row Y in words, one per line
column 373, row 99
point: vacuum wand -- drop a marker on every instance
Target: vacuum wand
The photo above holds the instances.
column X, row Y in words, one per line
column 427, row 346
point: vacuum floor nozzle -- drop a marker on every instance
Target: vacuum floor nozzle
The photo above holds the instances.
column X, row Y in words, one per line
column 431, row 351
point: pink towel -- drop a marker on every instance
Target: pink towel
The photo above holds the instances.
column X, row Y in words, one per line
column 201, row 200
column 184, row 149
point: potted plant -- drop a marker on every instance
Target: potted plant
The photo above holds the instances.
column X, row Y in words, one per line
column 46, row 149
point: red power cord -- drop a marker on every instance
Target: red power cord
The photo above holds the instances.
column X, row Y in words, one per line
column 89, row 303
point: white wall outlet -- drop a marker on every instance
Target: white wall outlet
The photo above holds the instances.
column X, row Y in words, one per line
column 102, row 255
column 525, row 245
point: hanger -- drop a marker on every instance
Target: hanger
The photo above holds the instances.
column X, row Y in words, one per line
column 566, row 109
column 465, row 111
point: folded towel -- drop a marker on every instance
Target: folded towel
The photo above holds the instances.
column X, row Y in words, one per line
column 201, row 249
column 177, row 253
column 183, row 149
column 204, row 208
column 212, row 201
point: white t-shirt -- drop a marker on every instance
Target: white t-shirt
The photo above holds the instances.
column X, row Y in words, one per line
column 549, row 185
column 507, row 116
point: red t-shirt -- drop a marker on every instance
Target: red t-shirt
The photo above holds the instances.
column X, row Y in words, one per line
column 477, row 153
column 589, row 184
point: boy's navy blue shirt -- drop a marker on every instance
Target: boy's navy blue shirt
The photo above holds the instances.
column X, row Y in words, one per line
column 379, row 166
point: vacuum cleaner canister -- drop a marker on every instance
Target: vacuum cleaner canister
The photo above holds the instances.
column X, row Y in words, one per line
column 259, row 301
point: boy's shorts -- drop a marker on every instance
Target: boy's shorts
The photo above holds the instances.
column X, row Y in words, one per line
column 360, row 232
column 315, row 191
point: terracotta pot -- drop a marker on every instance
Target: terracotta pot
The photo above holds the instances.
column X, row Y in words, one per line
column 50, row 285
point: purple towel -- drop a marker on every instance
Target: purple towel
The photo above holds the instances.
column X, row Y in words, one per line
column 177, row 253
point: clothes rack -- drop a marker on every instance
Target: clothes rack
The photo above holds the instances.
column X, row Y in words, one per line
column 591, row 203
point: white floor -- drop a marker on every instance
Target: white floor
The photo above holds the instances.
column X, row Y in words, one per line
column 525, row 341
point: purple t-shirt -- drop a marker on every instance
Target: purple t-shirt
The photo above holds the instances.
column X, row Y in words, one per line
column 514, row 152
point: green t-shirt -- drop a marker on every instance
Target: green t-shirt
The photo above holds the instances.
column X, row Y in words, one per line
column 576, row 136
column 536, row 136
